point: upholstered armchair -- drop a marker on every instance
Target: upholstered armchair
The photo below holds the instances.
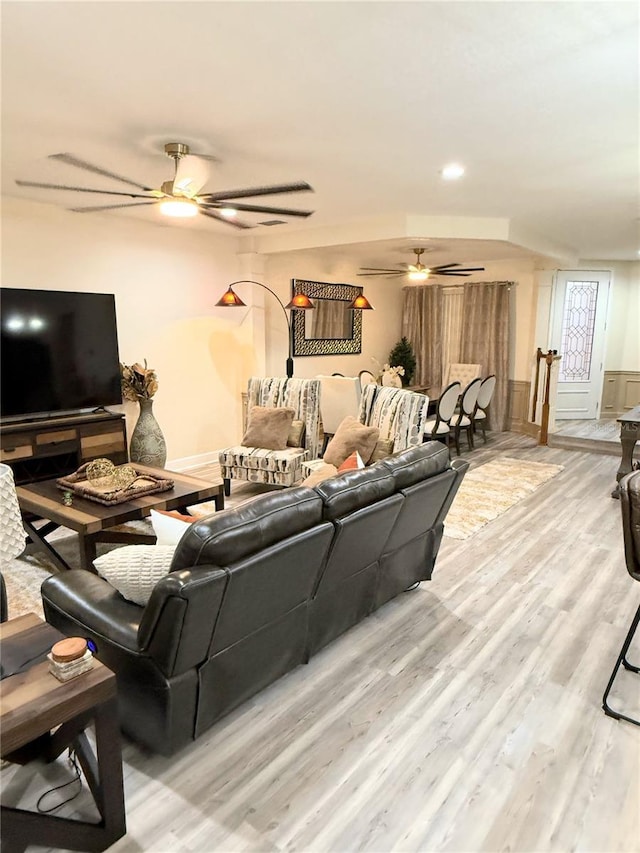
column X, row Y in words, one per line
column 400, row 415
column 277, row 467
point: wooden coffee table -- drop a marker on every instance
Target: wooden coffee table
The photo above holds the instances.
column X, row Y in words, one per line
column 32, row 704
column 94, row 522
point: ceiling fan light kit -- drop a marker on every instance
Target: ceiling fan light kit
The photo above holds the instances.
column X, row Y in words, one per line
column 179, row 207
column 181, row 197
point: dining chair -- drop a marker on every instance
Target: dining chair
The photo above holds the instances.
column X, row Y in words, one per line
column 462, row 373
column 463, row 419
column 485, row 395
column 366, row 377
column 629, row 491
column 339, row 397
column 439, row 427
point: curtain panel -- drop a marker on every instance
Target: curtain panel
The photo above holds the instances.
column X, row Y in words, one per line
column 470, row 321
column 422, row 315
column 485, row 340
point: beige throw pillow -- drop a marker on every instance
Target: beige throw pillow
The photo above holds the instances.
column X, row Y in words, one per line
column 351, row 435
column 268, row 427
column 296, row 434
column 382, row 449
column 135, row 569
column 319, row 474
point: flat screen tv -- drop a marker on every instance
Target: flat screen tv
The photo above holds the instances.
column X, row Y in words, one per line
column 59, row 352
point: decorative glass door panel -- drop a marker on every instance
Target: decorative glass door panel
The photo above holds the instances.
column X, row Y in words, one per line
column 578, row 334
column 578, row 325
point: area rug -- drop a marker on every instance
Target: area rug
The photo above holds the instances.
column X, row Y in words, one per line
column 491, row 489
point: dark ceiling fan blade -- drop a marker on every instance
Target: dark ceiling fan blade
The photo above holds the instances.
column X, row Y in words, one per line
column 112, row 206
column 299, row 186
column 70, row 160
column 451, row 274
column 388, row 273
column 380, row 270
column 284, row 211
column 444, row 266
column 213, row 215
column 76, row 189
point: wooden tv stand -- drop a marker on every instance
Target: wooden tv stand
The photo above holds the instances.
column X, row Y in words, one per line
column 51, row 447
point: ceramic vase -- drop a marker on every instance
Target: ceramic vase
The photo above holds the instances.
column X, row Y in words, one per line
column 148, row 446
column 391, row 380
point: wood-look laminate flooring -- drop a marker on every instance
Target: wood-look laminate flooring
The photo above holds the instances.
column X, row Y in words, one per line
column 591, row 436
column 462, row 716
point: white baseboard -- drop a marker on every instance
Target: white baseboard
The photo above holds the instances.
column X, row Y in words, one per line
column 189, row 462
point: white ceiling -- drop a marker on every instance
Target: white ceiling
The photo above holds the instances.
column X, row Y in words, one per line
column 365, row 100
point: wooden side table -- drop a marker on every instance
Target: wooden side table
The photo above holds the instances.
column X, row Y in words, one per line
column 32, row 703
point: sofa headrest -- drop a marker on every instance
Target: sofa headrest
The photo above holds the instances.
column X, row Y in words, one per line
column 417, row 463
column 353, row 490
column 227, row 537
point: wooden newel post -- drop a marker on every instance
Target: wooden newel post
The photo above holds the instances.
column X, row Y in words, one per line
column 544, row 425
column 548, row 357
column 539, row 355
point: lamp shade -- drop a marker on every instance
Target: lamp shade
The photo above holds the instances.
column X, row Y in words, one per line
column 300, row 301
column 230, row 299
column 12, row 535
column 362, row 303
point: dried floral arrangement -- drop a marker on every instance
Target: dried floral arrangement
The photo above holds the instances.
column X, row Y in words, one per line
column 138, row 382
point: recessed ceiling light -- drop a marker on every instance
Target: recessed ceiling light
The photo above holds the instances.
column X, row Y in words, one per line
column 452, row 171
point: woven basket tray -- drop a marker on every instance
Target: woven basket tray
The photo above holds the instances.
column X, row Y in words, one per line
column 95, row 490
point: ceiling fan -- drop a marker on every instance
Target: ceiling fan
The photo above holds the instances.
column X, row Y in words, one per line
column 181, row 196
column 419, row 272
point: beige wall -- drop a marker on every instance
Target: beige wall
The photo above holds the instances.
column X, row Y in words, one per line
column 623, row 335
column 166, row 281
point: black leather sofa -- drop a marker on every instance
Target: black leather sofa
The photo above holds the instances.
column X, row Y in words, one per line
column 257, row 590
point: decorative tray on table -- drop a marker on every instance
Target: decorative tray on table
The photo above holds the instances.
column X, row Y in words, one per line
column 102, row 481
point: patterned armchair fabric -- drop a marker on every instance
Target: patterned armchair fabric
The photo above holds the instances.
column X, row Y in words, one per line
column 399, row 415
column 277, row 467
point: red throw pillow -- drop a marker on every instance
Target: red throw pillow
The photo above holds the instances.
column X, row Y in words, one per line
column 352, row 462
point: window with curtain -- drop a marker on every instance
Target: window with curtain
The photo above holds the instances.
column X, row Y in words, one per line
column 466, row 323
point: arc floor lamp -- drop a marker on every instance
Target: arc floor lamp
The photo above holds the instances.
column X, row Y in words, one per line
column 298, row 302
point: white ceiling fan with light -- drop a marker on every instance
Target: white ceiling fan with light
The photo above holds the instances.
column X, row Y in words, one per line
column 419, row 272
column 181, row 196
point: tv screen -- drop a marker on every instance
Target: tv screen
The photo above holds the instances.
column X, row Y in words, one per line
column 59, row 352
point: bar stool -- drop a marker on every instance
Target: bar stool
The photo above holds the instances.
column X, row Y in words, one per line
column 629, row 488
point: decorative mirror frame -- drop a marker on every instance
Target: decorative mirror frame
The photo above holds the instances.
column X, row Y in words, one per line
column 325, row 346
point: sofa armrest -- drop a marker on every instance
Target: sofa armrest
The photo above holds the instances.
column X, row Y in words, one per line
column 178, row 622
column 175, row 628
column 90, row 600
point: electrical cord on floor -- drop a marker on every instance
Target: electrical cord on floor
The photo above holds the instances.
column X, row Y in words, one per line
column 74, row 763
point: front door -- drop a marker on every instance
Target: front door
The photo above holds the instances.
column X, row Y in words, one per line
column 578, row 329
